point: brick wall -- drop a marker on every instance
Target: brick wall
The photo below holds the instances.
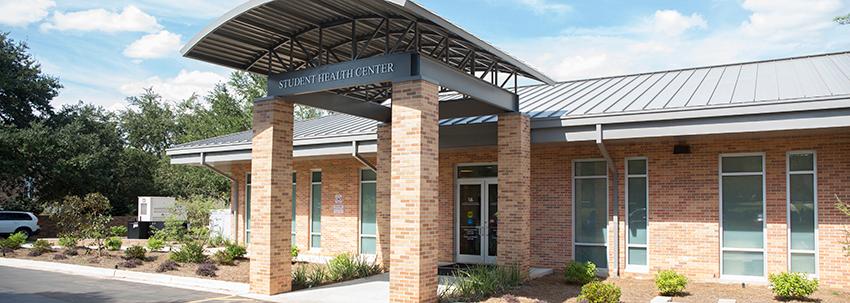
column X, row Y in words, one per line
column 683, row 200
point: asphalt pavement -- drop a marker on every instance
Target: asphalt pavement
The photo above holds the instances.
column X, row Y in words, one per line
column 32, row 286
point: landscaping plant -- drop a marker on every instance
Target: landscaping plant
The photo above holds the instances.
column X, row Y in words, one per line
column 59, row 257
column 346, row 266
column 221, row 257
column 600, row 292
column 792, row 285
column 670, row 283
column 135, row 252
column 155, row 244
column 482, row 281
column 113, row 243
column 206, row 269
column 13, row 242
column 235, row 251
column 167, row 265
column 118, row 231
column 294, row 251
column 580, row 273
column 299, row 277
column 845, row 209
column 189, row 252
column 68, row 242
column 39, row 248
column 316, row 275
column 131, row 263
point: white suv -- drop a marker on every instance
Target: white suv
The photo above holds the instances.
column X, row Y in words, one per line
column 18, row 221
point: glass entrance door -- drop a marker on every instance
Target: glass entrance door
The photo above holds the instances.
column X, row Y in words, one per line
column 476, row 221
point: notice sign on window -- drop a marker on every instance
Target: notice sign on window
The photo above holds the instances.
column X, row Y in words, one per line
column 339, row 208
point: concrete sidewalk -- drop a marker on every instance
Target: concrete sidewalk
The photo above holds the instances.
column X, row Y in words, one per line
column 367, row 290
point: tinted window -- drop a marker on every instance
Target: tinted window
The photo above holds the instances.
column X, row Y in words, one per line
column 5, row 217
column 15, row 217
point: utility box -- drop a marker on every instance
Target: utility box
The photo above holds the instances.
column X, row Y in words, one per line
column 155, row 209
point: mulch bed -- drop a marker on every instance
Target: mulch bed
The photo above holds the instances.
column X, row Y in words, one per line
column 552, row 289
column 111, row 259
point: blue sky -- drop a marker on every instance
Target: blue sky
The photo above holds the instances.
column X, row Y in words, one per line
column 103, row 51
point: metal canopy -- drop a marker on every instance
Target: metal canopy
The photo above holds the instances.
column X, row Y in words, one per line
column 284, row 36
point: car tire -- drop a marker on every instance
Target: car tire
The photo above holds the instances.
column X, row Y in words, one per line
column 24, row 230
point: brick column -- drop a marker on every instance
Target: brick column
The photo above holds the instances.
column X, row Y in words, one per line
column 271, row 197
column 514, row 237
column 414, row 192
column 382, row 193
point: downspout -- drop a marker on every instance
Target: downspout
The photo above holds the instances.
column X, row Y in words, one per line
column 616, row 204
column 355, row 147
column 234, row 197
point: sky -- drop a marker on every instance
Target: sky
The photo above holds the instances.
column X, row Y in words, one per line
column 104, row 51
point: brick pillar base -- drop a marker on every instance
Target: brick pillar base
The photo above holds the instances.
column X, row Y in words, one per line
column 414, row 192
column 271, row 197
column 514, row 242
column 382, row 193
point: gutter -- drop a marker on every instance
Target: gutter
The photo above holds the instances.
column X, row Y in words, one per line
column 614, row 173
column 234, row 206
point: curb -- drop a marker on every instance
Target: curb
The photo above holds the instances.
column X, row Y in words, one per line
column 221, row 287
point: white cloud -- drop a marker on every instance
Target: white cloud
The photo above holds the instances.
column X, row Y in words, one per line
column 673, row 23
column 131, row 19
column 21, row 13
column 773, row 29
column 180, row 87
column 161, row 44
column 542, row 7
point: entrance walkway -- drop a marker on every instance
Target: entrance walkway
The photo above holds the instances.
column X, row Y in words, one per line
column 367, row 290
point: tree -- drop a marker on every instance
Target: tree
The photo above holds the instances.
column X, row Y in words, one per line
column 843, row 20
column 25, row 92
column 845, row 209
column 149, row 123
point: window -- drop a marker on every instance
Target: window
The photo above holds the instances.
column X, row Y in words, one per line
column 316, row 209
column 742, row 215
column 637, row 196
column 293, row 210
column 248, row 208
column 590, row 212
column 368, row 212
column 802, row 212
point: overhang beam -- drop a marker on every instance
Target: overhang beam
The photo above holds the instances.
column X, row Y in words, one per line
column 341, row 104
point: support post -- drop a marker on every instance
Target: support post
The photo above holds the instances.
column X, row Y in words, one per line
column 271, row 192
column 414, row 192
column 382, row 191
column 514, row 143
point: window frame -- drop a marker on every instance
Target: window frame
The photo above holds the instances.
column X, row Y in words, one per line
column 645, row 175
column 247, row 196
column 814, row 173
column 360, row 233
column 294, row 207
column 312, row 211
column 763, row 250
column 600, row 270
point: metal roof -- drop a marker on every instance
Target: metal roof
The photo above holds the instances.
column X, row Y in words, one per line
column 778, row 83
column 300, row 32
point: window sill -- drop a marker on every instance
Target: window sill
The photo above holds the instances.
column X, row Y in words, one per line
column 638, row 269
column 743, row 279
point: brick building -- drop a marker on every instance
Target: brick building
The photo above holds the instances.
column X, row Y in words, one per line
column 723, row 173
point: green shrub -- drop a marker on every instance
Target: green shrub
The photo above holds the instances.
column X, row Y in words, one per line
column 347, row 266
column 218, row 241
column 68, row 242
column 155, row 244
column 480, row 282
column 118, row 231
column 316, row 275
column 40, row 247
column 135, row 252
column 792, row 285
column 294, row 251
column 235, row 251
column 221, row 257
column 580, row 273
column 190, row 252
column 670, row 282
column 600, row 292
column 113, row 243
column 299, row 277
column 16, row 240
